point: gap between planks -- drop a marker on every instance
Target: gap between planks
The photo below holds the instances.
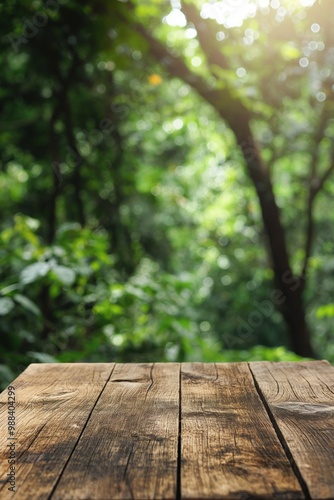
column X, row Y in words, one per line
column 229, row 447
column 300, row 397
column 129, row 448
column 280, row 437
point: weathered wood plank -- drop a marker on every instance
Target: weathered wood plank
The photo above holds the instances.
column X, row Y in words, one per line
column 300, row 397
column 229, row 448
column 53, row 404
column 129, row 447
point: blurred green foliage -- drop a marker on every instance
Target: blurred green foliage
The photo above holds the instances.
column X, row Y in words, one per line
column 129, row 230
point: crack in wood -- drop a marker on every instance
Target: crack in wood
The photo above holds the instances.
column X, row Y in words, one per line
column 128, row 461
column 151, row 382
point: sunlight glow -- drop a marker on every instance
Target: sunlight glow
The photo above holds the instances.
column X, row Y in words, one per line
column 232, row 13
column 175, row 18
column 304, row 62
column 315, row 28
column 229, row 13
column 307, row 3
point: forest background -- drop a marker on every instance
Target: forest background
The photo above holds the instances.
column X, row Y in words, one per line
column 167, row 181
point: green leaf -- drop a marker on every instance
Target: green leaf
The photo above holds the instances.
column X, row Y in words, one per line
column 33, row 224
column 27, row 304
column 64, row 274
column 326, row 311
column 33, row 272
column 42, row 357
column 6, row 305
column 6, row 376
column 289, row 52
column 9, row 289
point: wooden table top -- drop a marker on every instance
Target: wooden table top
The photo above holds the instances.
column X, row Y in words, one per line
column 169, row 430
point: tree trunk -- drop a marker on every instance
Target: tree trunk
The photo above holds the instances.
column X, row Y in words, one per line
column 298, row 330
column 291, row 287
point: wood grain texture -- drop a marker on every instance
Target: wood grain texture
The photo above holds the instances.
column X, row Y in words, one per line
column 105, row 431
column 53, row 405
column 300, row 397
column 229, row 447
column 129, row 447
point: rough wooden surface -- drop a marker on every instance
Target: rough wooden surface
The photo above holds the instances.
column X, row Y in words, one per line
column 54, row 404
column 129, row 447
column 300, row 397
column 228, row 444
column 167, row 430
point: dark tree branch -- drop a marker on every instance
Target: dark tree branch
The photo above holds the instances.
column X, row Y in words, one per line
column 238, row 118
column 316, row 146
column 119, row 233
column 206, row 36
column 309, row 237
column 315, row 186
column 76, row 177
column 231, row 109
column 52, row 217
column 54, row 150
column 326, row 175
column 224, row 99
